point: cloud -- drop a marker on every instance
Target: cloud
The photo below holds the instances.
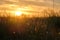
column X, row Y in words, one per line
column 48, row 3
column 35, row 4
column 36, row 0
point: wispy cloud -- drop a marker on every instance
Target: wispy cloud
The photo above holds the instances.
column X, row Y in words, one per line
column 48, row 3
column 35, row 5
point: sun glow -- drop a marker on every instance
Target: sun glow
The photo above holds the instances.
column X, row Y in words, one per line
column 18, row 13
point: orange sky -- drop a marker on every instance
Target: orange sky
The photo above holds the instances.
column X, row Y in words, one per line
column 33, row 7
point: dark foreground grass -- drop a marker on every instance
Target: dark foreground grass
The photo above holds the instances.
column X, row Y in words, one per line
column 30, row 28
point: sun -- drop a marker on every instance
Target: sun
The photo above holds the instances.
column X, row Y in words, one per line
column 18, row 13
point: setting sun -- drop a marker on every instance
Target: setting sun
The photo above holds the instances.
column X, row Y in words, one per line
column 18, row 13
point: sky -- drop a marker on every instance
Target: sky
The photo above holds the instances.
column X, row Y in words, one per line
column 33, row 6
